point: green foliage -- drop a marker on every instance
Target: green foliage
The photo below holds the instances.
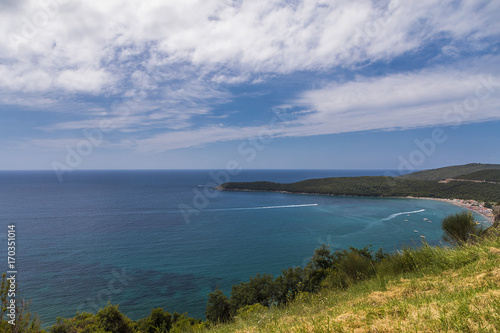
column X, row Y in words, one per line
column 425, row 289
column 492, row 175
column 378, row 187
column 107, row 320
column 260, row 289
column 82, row 323
column 218, row 307
column 25, row 321
column 349, row 266
column 337, row 269
column 496, row 214
column 112, row 320
column 251, row 310
column 450, row 172
column 184, row 324
column 157, row 321
column 290, row 282
column 459, row 228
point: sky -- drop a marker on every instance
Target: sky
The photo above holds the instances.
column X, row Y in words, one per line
column 214, row 84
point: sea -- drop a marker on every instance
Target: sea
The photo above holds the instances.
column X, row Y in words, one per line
column 165, row 239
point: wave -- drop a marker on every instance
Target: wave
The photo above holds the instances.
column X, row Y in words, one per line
column 266, row 207
column 390, row 217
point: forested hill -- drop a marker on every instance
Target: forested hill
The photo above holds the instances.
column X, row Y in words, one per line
column 450, row 171
column 378, row 187
column 492, row 175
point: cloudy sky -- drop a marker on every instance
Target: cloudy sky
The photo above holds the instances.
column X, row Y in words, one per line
column 266, row 83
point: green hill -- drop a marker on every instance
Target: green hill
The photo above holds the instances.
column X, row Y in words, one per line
column 492, row 175
column 377, row 187
column 449, row 172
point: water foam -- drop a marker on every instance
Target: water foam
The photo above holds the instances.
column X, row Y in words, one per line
column 390, row 217
column 265, row 207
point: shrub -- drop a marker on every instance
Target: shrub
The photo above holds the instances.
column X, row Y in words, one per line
column 459, row 228
column 218, row 308
column 158, row 320
column 260, row 289
column 251, row 310
column 112, row 320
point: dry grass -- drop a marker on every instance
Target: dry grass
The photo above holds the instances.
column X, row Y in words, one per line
column 462, row 299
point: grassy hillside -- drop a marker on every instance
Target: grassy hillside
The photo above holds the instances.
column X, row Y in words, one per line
column 449, row 172
column 449, row 290
column 492, row 175
column 378, row 186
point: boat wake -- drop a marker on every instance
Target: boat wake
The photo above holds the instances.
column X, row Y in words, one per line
column 390, row 217
column 256, row 208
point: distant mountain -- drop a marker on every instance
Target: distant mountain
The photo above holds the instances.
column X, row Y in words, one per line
column 449, row 172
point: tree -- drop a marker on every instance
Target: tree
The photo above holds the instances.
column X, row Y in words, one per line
column 496, row 213
column 318, row 268
column 112, row 320
column 218, row 308
column 459, row 228
column 260, row 289
column 290, row 283
column 157, row 321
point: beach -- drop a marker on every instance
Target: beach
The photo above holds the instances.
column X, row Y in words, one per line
column 472, row 205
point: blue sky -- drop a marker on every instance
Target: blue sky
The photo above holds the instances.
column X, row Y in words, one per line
column 268, row 84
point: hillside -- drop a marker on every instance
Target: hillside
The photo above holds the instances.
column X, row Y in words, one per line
column 449, row 290
column 377, row 187
column 492, row 175
column 449, row 172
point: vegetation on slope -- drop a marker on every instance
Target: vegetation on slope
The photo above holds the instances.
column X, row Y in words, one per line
column 431, row 289
column 378, row 187
column 449, row 172
column 484, row 175
column 426, row 289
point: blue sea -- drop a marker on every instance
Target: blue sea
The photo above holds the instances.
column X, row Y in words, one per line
column 149, row 239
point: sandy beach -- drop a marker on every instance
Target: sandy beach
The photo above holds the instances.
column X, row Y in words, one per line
column 472, row 205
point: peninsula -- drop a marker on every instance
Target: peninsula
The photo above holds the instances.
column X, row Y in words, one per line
column 472, row 182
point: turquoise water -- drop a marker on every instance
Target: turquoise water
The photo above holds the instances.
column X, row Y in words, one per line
column 120, row 236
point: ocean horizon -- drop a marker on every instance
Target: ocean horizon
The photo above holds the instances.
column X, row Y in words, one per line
column 164, row 238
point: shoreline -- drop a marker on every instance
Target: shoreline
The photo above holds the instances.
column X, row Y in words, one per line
column 471, row 205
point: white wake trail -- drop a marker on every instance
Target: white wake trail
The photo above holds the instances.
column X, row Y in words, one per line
column 390, row 217
column 265, row 207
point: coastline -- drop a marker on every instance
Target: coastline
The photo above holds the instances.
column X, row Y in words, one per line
column 471, row 205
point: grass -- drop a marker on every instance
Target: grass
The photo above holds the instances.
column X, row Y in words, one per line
column 431, row 289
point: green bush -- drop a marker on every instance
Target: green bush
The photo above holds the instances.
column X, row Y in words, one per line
column 260, row 289
column 459, row 228
column 250, row 310
column 158, row 320
column 112, row 320
column 218, row 308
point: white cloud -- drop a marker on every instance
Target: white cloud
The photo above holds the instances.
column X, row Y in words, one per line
column 247, row 38
column 83, row 80
column 172, row 59
column 430, row 98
